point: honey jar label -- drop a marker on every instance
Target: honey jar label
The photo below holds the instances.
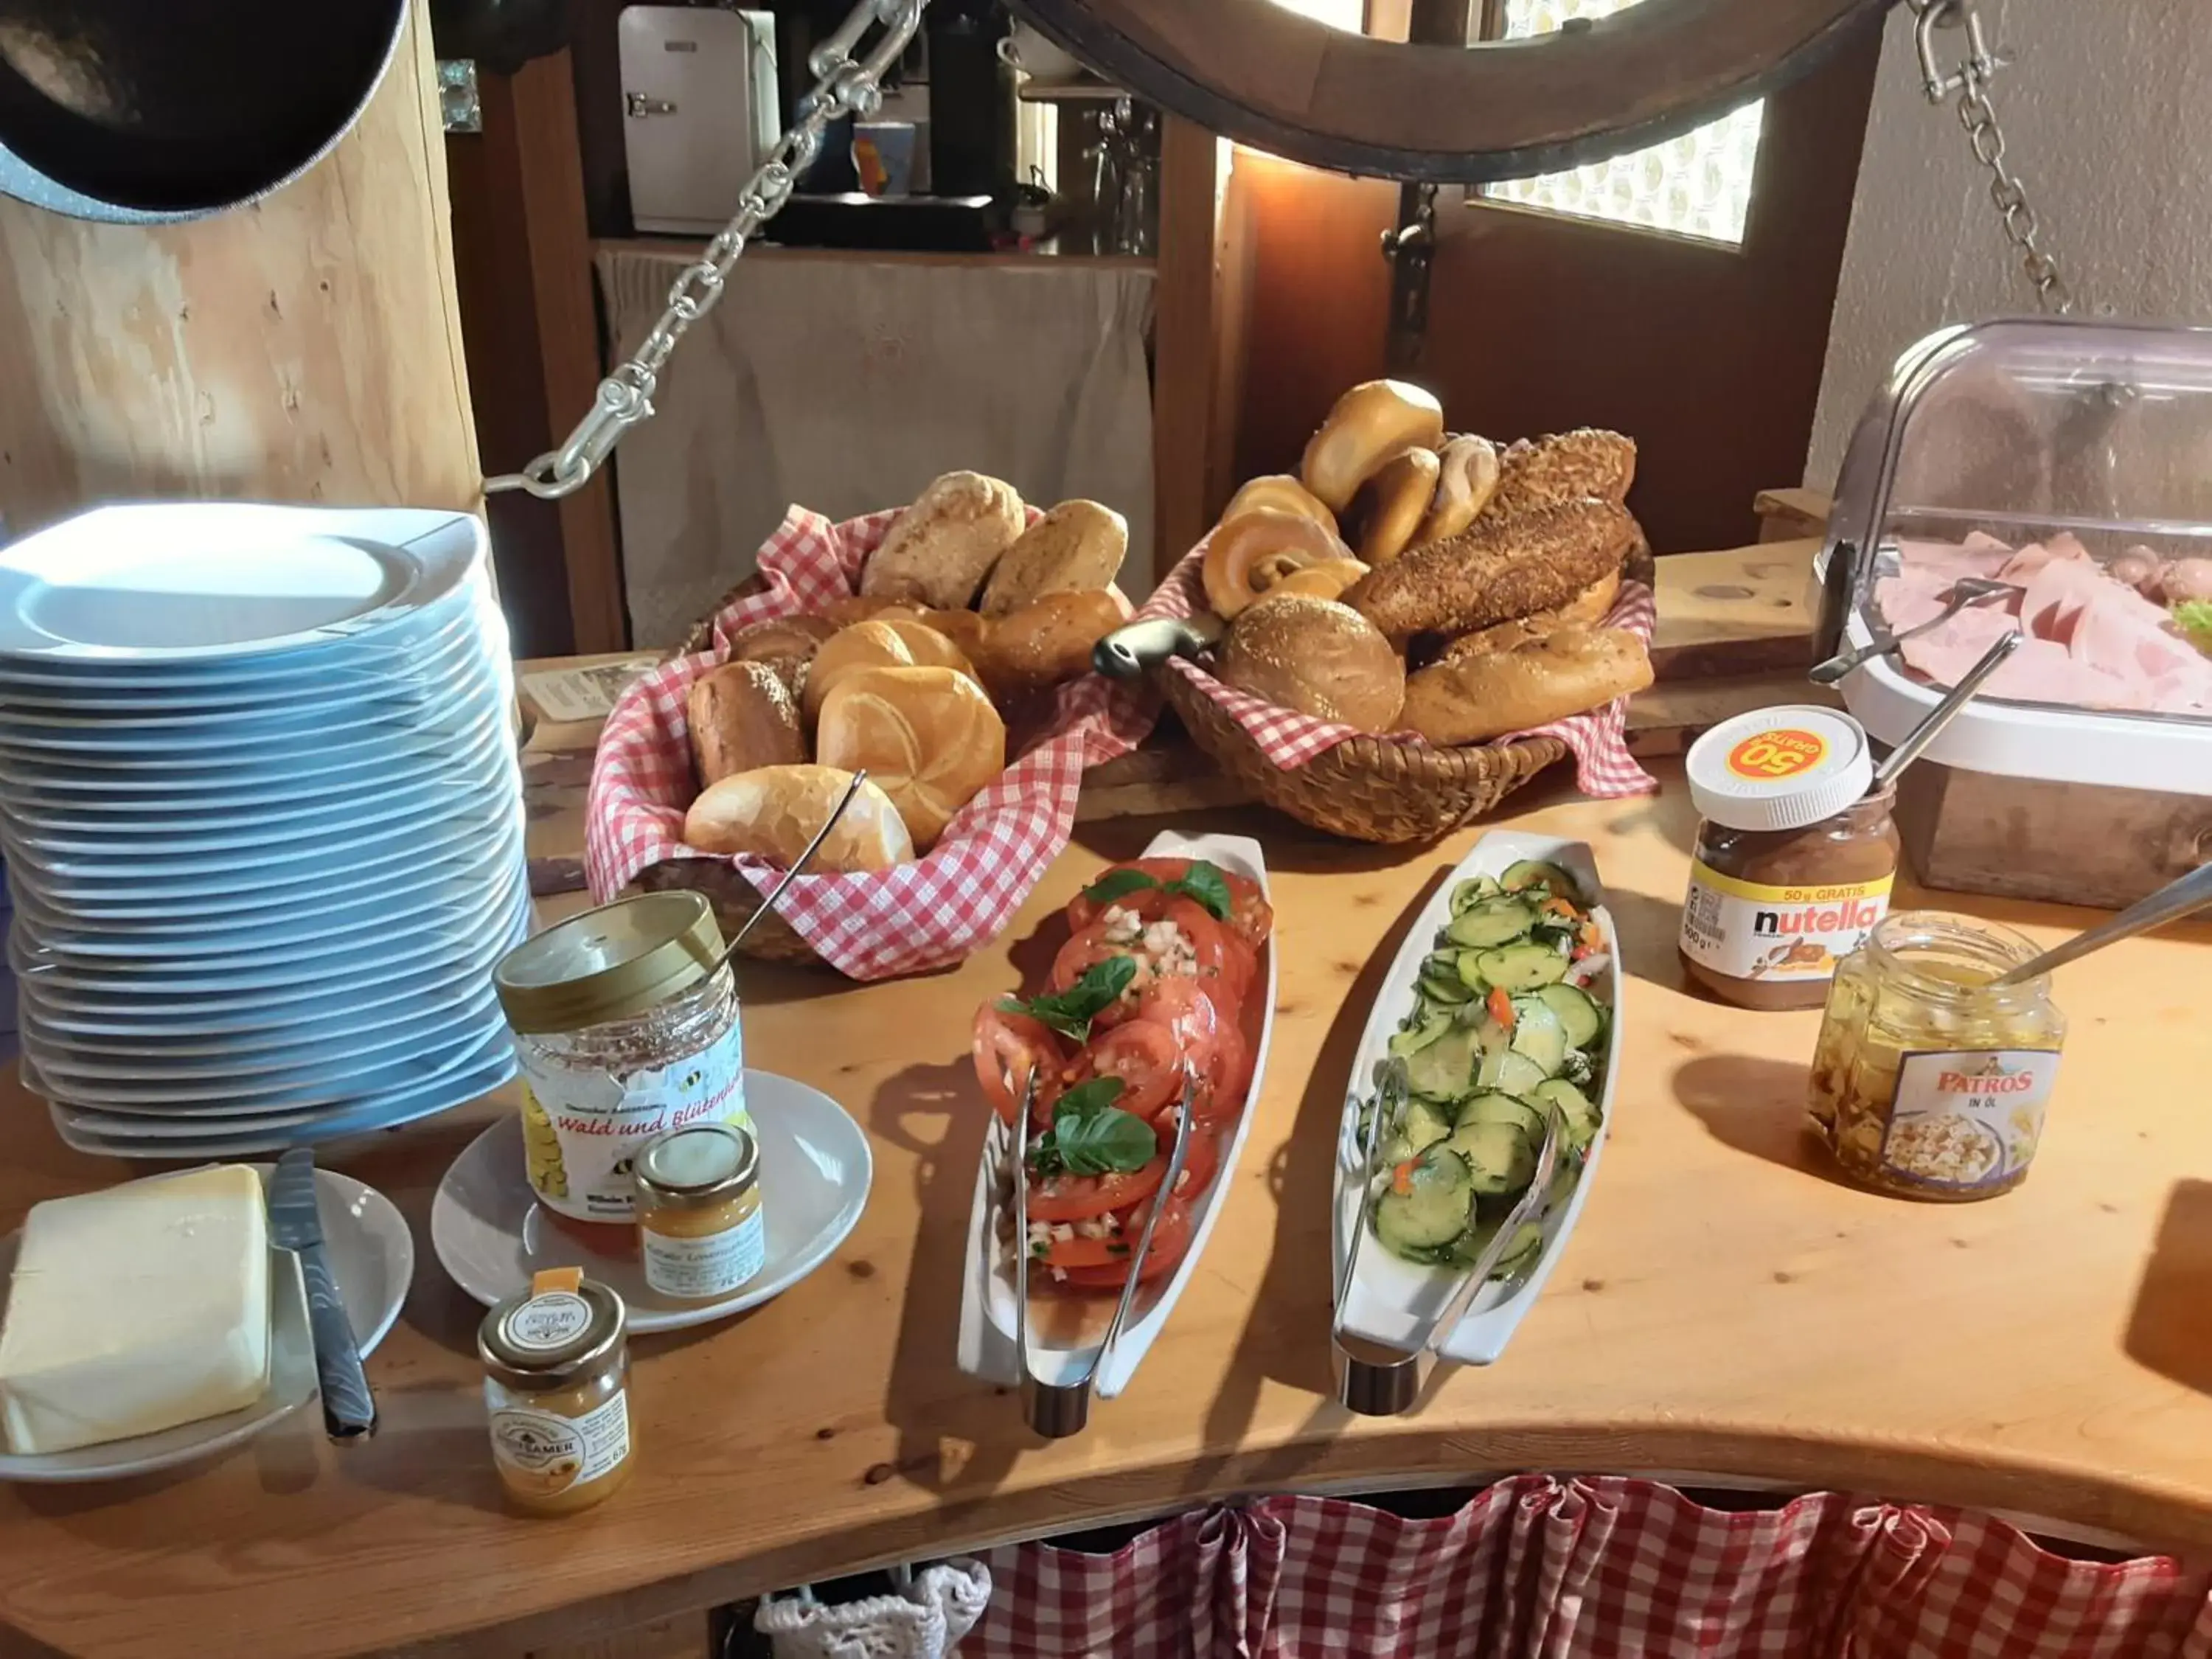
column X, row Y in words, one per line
column 581, row 1127
column 1745, row 930
column 540, row 1454
column 1967, row 1118
column 710, row 1264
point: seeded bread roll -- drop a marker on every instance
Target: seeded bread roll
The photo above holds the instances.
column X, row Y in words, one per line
column 1566, row 466
column 1077, row 547
column 943, row 546
column 742, row 715
column 1317, row 656
column 1501, row 567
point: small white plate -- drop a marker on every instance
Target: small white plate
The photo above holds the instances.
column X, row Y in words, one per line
column 372, row 1256
column 815, row 1172
column 202, row 581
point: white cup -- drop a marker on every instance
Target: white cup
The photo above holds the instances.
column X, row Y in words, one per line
column 1030, row 52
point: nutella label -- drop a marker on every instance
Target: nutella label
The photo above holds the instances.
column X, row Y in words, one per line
column 1783, row 752
column 1963, row 1120
column 1745, row 930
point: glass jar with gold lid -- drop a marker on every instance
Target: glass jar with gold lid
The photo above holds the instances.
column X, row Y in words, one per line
column 700, row 1226
column 557, row 1387
column 625, row 1022
column 1929, row 1080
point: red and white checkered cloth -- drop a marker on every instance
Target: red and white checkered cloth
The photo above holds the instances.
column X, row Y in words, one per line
column 904, row 920
column 1594, row 1568
column 1603, row 766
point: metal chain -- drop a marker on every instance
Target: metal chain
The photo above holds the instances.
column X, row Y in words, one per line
column 846, row 85
column 1971, row 81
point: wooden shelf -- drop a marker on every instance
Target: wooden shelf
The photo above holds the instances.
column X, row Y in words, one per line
column 685, row 246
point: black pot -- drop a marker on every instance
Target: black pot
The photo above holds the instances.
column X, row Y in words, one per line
column 148, row 110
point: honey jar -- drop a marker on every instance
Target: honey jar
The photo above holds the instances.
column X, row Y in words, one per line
column 700, row 1227
column 556, row 1387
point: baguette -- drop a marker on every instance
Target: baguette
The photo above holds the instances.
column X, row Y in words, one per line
column 1486, row 694
column 1501, row 567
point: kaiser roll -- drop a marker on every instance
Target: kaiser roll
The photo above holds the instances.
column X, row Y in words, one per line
column 883, row 644
column 929, row 736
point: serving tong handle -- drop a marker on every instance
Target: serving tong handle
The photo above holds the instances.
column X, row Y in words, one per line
column 1382, row 1379
column 1058, row 1410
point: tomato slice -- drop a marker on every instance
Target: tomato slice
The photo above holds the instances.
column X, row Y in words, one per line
column 1170, row 1239
column 1224, row 966
column 1229, row 1080
column 1179, row 1003
column 1148, row 1058
column 1084, row 952
column 1008, row 1047
column 1201, row 1158
column 1251, row 918
column 1079, row 1198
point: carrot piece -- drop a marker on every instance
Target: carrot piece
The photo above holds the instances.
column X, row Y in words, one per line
column 1500, row 1006
column 1402, row 1178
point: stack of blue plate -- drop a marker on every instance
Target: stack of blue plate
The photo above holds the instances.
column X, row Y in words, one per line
column 262, row 823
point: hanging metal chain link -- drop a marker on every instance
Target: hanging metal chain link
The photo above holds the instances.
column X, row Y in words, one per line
column 846, row 85
column 1971, row 81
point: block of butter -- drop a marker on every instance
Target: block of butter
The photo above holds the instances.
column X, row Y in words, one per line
column 135, row 1309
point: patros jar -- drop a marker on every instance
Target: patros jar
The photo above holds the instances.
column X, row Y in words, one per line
column 1796, row 855
column 625, row 1022
column 1929, row 1080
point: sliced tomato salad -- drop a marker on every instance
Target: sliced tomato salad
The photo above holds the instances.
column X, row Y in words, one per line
column 1144, row 1010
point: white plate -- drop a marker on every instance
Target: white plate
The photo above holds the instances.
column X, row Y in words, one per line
column 91, row 1133
column 372, row 1256
column 202, row 581
column 1392, row 1293
column 987, row 1342
column 815, row 1173
column 193, row 990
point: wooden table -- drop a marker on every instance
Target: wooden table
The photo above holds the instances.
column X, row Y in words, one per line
column 1726, row 1307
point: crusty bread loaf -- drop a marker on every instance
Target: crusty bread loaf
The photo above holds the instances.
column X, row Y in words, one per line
column 944, row 545
column 1049, row 640
column 1588, row 607
column 742, row 715
column 928, row 736
column 1502, row 567
column 1566, row 466
column 1368, row 425
column 1078, row 545
column 1484, row 694
column 1317, row 656
column 886, row 643
column 773, row 812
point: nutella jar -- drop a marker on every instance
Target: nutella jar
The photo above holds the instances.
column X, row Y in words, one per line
column 1795, row 859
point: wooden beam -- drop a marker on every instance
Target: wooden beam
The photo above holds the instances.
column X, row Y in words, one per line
column 1183, row 343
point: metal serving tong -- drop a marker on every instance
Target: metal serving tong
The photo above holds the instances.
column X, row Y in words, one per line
column 1057, row 1410
column 1967, row 590
column 1381, row 1379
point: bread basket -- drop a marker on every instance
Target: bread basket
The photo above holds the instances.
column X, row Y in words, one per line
column 908, row 919
column 1394, row 788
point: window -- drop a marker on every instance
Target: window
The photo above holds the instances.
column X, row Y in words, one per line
column 1698, row 185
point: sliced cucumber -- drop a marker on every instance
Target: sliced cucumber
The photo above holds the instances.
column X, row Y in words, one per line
column 1519, row 967
column 1539, row 1033
column 1467, row 1249
column 1444, row 1069
column 1520, row 1255
column 1498, row 1157
column 1536, row 873
column 1421, row 1034
column 1510, row 1073
column 1473, row 891
column 1447, row 988
column 1491, row 1107
column 1434, row 1208
column 1580, row 1016
column 1425, row 1126
column 1470, row 970
column 1580, row 1117
column 1493, row 921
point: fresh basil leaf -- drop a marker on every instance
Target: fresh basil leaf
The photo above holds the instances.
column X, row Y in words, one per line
column 1086, row 1099
column 1119, row 883
column 1071, row 1011
column 1205, row 883
column 1108, row 1140
column 1061, row 1149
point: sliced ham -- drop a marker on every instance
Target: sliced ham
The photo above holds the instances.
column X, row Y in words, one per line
column 1978, row 556
column 1945, row 653
column 2062, row 549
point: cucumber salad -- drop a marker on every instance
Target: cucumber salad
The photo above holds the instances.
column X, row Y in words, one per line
column 1501, row 1029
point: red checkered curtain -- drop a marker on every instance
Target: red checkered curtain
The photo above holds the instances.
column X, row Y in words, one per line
column 1538, row 1568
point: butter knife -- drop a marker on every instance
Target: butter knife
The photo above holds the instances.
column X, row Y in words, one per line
column 348, row 1407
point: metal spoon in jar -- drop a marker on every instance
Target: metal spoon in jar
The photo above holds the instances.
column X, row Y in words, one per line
column 2178, row 898
column 797, row 864
column 1918, row 739
column 1967, row 590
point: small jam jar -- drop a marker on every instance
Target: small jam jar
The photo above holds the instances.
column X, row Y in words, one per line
column 1797, row 853
column 1929, row 1081
column 625, row 1022
column 557, row 1386
column 699, row 1221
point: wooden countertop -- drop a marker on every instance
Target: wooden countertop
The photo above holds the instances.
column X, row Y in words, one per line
column 1726, row 1307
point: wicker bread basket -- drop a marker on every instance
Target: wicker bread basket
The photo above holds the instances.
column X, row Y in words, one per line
column 1373, row 788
